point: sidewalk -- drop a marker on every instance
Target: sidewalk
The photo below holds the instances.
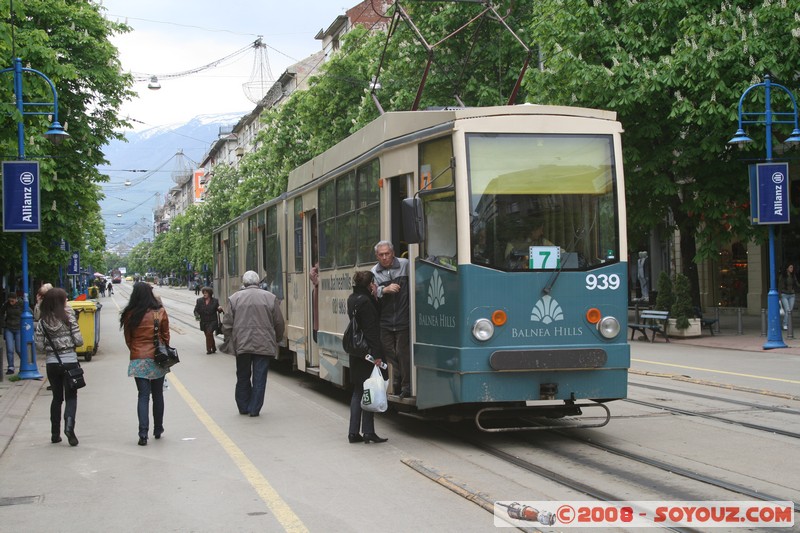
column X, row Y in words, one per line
column 17, row 397
column 726, row 335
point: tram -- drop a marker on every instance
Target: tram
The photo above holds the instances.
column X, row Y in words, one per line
column 505, row 322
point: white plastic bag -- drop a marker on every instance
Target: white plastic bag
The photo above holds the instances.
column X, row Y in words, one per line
column 374, row 398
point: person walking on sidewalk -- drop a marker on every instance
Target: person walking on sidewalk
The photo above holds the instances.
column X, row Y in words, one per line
column 57, row 332
column 253, row 325
column 11, row 317
column 138, row 322
column 206, row 311
column 787, row 286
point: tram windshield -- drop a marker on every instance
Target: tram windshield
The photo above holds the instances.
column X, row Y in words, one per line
column 542, row 202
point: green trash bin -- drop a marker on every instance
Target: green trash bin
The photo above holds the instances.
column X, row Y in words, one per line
column 88, row 315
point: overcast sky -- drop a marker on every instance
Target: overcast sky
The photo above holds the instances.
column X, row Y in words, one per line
column 174, row 36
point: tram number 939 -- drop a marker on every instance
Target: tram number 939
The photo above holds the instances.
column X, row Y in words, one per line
column 602, row 282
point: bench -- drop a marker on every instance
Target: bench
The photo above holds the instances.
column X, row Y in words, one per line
column 652, row 321
column 705, row 322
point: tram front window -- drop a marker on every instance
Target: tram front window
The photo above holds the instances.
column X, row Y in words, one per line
column 542, row 201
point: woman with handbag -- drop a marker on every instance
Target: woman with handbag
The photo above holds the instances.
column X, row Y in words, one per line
column 57, row 335
column 206, row 310
column 361, row 304
column 139, row 320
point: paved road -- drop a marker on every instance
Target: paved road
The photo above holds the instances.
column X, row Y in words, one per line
column 289, row 469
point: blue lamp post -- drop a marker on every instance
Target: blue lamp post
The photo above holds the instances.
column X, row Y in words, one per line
column 56, row 133
column 769, row 117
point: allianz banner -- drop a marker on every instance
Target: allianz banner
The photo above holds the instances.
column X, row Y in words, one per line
column 769, row 193
column 21, row 207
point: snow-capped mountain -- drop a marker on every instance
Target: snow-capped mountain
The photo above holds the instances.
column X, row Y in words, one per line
column 140, row 171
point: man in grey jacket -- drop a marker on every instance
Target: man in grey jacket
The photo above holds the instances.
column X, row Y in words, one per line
column 253, row 324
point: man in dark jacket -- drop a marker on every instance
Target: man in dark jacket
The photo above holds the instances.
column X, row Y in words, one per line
column 391, row 278
column 253, row 326
column 11, row 316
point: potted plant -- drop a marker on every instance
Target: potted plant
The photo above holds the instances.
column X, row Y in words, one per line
column 682, row 321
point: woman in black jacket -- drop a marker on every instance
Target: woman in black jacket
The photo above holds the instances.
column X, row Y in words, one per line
column 362, row 304
column 205, row 310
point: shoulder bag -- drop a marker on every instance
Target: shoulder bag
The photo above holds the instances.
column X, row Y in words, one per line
column 165, row 356
column 74, row 376
column 353, row 341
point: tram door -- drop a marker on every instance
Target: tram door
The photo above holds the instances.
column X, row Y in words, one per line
column 398, row 191
column 311, row 260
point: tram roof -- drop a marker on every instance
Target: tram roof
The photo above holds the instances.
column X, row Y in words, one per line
column 395, row 125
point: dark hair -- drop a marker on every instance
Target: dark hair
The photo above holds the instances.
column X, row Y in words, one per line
column 363, row 278
column 142, row 300
column 54, row 304
column 209, row 290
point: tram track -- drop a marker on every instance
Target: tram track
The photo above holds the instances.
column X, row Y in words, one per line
column 576, row 482
column 568, row 481
column 678, row 470
column 708, row 416
column 692, row 394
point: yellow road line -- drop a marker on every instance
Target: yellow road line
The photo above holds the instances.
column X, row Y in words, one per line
column 282, row 512
column 713, row 371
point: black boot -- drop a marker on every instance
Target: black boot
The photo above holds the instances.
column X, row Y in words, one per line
column 69, row 431
column 55, row 431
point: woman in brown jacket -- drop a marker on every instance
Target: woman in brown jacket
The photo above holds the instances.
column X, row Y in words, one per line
column 138, row 321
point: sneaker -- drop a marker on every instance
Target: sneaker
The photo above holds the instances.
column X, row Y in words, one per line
column 9, row 371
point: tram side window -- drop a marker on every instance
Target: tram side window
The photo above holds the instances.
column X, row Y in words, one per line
column 438, row 196
column 346, row 219
column 218, row 256
column 349, row 217
column 327, row 224
column 272, row 251
column 233, row 251
column 298, row 234
column 251, row 257
column 368, row 211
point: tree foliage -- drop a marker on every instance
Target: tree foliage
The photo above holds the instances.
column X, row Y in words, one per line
column 69, row 43
column 673, row 71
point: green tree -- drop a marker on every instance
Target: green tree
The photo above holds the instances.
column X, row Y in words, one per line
column 69, row 43
column 674, row 72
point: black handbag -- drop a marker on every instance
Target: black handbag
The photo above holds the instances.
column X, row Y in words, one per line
column 73, row 377
column 353, row 341
column 165, row 356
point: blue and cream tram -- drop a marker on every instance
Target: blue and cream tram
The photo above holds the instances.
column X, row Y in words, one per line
column 513, row 218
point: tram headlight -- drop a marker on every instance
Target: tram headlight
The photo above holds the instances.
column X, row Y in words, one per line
column 608, row 327
column 483, row 329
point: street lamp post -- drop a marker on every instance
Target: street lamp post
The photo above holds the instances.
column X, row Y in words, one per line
column 768, row 118
column 56, row 133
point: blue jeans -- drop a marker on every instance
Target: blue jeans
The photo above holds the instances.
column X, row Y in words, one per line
column 146, row 388
column 13, row 338
column 787, row 301
column 250, row 394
